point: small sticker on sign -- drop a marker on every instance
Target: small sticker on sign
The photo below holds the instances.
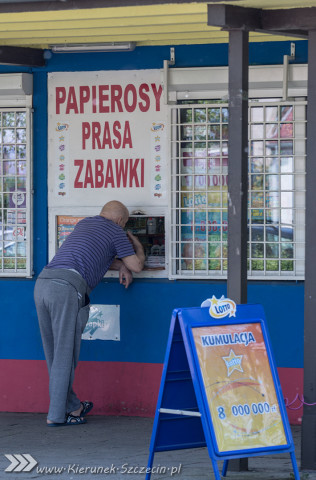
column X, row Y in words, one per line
column 220, row 307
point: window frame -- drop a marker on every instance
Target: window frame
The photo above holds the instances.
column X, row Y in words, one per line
column 175, row 237
column 28, row 271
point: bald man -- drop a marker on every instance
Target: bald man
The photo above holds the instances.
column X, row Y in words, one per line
column 62, row 299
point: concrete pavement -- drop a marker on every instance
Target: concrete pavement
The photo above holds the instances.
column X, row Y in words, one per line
column 120, row 444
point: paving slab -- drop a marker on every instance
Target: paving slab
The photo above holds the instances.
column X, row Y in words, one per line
column 116, row 448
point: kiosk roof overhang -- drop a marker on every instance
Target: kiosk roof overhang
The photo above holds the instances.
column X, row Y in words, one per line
column 40, row 24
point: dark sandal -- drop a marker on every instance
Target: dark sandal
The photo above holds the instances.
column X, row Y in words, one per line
column 75, row 420
column 86, row 408
column 70, row 420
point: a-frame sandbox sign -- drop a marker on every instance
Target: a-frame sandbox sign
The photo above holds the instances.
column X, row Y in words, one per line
column 220, row 387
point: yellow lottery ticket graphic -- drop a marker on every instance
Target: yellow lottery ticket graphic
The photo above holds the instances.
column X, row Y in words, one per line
column 239, row 386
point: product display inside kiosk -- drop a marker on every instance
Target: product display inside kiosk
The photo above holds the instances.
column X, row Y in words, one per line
column 150, row 230
column 151, row 233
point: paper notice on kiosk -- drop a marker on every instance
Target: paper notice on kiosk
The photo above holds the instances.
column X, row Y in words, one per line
column 239, row 386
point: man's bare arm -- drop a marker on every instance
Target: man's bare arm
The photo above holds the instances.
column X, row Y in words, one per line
column 135, row 263
column 125, row 275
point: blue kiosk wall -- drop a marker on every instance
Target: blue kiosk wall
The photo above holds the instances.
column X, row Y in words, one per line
column 123, row 377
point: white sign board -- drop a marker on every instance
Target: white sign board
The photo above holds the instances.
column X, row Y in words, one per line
column 103, row 323
column 107, row 134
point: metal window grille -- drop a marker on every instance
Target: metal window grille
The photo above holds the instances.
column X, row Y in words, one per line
column 276, row 202
column 15, row 192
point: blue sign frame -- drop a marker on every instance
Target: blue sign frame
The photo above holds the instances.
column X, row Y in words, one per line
column 183, row 418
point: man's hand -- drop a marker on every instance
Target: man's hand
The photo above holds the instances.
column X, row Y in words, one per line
column 134, row 241
column 125, row 276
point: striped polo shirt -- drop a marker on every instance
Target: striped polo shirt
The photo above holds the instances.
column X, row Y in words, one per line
column 91, row 248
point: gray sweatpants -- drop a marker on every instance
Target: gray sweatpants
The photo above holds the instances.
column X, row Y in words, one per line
column 62, row 304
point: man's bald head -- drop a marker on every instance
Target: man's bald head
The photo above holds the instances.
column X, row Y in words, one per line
column 115, row 211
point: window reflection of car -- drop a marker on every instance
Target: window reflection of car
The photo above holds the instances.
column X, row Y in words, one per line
column 274, row 233
column 8, row 250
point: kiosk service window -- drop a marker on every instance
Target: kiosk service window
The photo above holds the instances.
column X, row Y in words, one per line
column 150, row 230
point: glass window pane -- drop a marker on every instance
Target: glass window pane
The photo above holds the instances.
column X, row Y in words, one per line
column 256, row 148
column 9, row 184
column 257, row 265
column 272, row 250
column 257, row 200
column 272, row 148
column 200, row 256
column 186, row 182
column 272, row 233
column 200, row 115
column 200, row 165
column 8, row 135
column 272, row 199
column 214, row 132
column 286, row 233
column 287, row 164
column 21, row 249
column 257, row 250
column 257, row 215
column 200, row 182
column 214, row 250
column 257, row 165
column 21, row 119
column 256, row 114
column 224, row 148
column 9, row 249
column 8, row 151
column 287, row 182
column 9, row 263
column 287, row 265
column 287, row 199
column 21, row 168
column 257, row 182
column 214, row 115
column 287, row 113
column 271, row 114
column 286, row 130
column 200, row 133
column 21, row 263
column 225, row 132
column 272, row 182
column 272, row 265
column 286, row 147
column 272, row 130
column 186, row 115
column 272, row 215
column 21, row 135
column 287, row 250
column 256, row 130
column 21, row 151
column 257, row 233
column 224, row 115
column 186, row 132
column 214, row 149
column 8, row 119
column 272, row 165
column 21, row 184
column 9, row 168
column 286, row 215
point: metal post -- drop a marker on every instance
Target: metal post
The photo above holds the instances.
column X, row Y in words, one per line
column 237, row 166
column 308, row 456
column 238, row 178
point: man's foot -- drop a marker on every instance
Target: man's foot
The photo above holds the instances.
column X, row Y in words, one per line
column 86, row 408
column 70, row 420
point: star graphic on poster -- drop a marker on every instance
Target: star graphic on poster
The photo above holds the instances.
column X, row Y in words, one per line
column 233, row 362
